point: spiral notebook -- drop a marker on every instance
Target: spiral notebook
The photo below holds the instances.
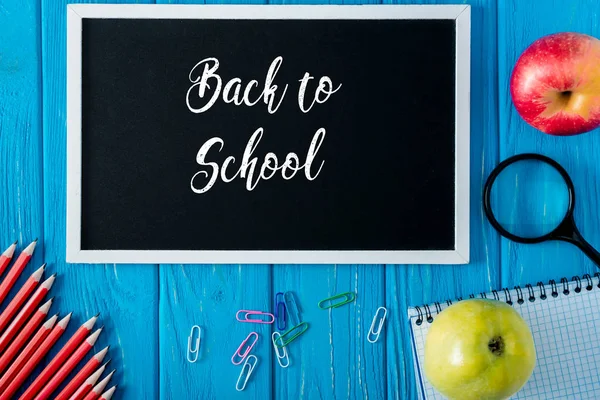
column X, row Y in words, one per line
column 564, row 319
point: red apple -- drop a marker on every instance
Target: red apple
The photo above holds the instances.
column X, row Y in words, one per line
column 555, row 85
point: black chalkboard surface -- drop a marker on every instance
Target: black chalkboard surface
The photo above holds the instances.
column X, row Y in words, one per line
column 268, row 138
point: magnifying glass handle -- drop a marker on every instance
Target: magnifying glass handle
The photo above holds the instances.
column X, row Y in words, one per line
column 578, row 240
column 591, row 252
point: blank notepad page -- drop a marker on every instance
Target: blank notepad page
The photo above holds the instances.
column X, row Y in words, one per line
column 566, row 332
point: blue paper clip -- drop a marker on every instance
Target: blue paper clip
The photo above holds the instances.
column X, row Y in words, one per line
column 280, row 311
column 292, row 307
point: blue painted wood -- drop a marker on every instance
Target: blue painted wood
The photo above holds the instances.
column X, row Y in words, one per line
column 333, row 359
column 21, row 213
column 414, row 285
column 21, row 188
column 125, row 295
column 522, row 264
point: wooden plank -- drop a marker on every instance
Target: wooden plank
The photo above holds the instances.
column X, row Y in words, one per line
column 209, row 296
column 21, row 207
column 333, row 359
column 414, row 285
column 579, row 155
column 125, row 295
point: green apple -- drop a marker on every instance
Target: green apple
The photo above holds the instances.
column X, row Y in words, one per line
column 479, row 349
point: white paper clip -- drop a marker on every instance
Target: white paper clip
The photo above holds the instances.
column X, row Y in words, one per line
column 283, row 355
column 373, row 334
column 251, row 367
column 196, row 349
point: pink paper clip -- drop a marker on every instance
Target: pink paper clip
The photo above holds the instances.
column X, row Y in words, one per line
column 247, row 313
column 242, row 356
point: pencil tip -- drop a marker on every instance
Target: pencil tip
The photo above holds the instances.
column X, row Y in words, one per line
column 29, row 249
column 97, row 315
column 15, row 242
column 35, row 241
column 89, row 324
column 8, row 253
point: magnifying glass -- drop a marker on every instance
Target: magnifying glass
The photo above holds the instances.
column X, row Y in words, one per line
column 530, row 198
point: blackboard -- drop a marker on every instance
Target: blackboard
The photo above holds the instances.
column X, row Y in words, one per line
column 288, row 134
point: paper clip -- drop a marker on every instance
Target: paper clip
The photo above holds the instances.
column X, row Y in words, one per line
column 196, row 349
column 284, row 354
column 242, row 356
column 250, row 369
column 292, row 308
column 373, row 334
column 283, row 341
column 280, row 311
column 348, row 296
column 255, row 321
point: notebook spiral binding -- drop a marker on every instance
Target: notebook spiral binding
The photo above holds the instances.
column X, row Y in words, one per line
column 425, row 312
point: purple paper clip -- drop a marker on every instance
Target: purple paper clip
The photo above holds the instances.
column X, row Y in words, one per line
column 280, row 312
column 243, row 355
column 247, row 313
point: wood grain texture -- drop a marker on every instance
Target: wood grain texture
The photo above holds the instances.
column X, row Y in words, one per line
column 579, row 155
column 125, row 295
column 21, row 176
column 419, row 284
column 148, row 316
column 209, row 296
column 333, row 359
column 21, row 213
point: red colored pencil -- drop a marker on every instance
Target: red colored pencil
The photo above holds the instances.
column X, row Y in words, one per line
column 28, row 288
column 15, row 271
column 35, row 358
column 89, row 383
column 82, row 375
column 64, row 371
column 31, row 347
column 95, row 393
column 24, row 335
column 109, row 393
column 7, row 256
column 60, row 358
column 25, row 312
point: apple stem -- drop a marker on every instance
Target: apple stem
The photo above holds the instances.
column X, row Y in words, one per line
column 496, row 345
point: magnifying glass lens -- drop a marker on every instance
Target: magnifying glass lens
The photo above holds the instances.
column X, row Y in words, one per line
column 529, row 198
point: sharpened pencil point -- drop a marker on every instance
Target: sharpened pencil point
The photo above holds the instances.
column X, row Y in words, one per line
column 46, row 306
column 8, row 253
column 89, row 324
column 65, row 321
column 93, row 337
column 29, row 249
column 109, row 393
column 37, row 275
column 101, row 354
column 15, row 242
column 48, row 282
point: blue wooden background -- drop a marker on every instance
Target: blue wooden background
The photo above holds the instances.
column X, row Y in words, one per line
column 148, row 310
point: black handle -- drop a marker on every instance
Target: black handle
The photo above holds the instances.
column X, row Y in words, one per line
column 568, row 232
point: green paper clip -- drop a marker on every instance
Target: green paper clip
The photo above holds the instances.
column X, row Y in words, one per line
column 349, row 296
column 282, row 340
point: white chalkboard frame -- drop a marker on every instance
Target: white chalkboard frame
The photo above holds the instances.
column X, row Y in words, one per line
column 460, row 13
